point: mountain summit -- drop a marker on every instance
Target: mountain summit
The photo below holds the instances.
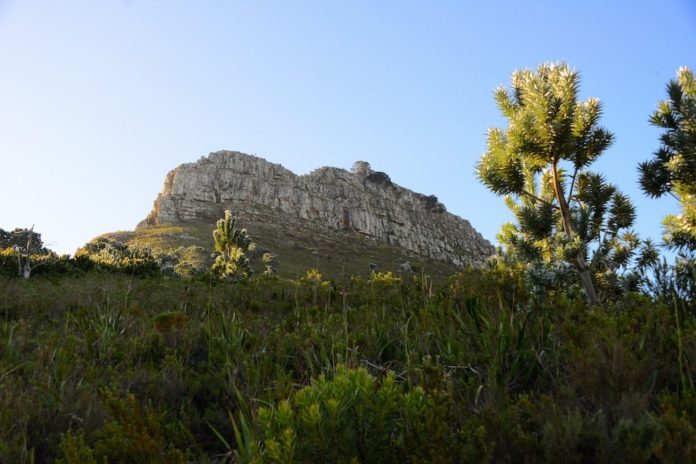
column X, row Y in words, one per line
column 335, row 215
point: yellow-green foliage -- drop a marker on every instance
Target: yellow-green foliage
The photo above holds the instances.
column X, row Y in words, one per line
column 111, row 255
column 47, row 263
column 232, row 244
column 384, row 279
column 75, row 450
column 348, row 418
column 313, row 278
column 270, row 263
column 673, row 167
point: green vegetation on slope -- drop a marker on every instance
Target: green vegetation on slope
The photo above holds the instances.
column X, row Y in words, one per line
column 336, row 255
column 131, row 369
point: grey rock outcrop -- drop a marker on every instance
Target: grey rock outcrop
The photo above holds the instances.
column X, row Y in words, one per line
column 359, row 201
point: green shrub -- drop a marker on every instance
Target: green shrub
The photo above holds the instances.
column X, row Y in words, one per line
column 105, row 254
column 133, row 434
column 351, row 417
column 75, row 450
column 475, row 371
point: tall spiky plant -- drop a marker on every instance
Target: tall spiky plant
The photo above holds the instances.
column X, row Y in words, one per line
column 540, row 164
column 672, row 170
column 231, row 245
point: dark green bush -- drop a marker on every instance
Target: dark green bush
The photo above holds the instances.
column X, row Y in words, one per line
column 472, row 371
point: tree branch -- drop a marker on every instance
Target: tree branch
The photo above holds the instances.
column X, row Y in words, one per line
column 572, row 185
column 602, row 242
column 536, row 198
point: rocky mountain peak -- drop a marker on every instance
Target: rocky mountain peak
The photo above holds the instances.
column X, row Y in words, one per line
column 360, row 201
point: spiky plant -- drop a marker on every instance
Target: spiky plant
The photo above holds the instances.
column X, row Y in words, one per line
column 270, row 263
column 232, row 244
column 672, row 170
column 540, row 162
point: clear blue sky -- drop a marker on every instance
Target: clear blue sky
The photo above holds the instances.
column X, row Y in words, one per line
column 99, row 99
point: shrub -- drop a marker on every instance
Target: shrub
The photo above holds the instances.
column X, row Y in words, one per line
column 105, row 254
column 351, row 417
column 133, row 434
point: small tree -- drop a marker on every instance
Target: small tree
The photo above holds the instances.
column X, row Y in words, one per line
column 24, row 243
column 231, row 245
column 270, row 263
column 565, row 214
column 24, row 255
column 18, row 238
column 672, row 170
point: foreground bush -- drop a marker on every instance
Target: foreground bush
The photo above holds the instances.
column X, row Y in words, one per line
column 351, row 417
column 354, row 417
column 151, row 369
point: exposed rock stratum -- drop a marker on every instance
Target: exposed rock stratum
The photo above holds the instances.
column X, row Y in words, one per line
column 331, row 202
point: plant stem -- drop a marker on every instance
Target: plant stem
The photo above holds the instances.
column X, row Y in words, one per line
column 580, row 263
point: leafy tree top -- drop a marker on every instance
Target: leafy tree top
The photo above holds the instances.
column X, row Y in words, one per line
column 546, row 124
column 672, row 170
column 18, row 238
column 231, row 245
column 540, row 161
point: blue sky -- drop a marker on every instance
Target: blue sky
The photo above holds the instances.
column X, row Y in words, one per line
column 100, row 99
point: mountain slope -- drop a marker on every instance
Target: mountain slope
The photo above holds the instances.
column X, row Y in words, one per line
column 336, row 220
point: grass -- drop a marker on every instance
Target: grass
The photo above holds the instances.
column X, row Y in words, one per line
column 127, row 369
column 338, row 255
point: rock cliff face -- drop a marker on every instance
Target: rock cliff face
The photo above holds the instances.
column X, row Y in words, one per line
column 359, row 201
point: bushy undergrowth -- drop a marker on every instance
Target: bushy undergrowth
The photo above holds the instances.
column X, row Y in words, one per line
column 118, row 368
column 109, row 256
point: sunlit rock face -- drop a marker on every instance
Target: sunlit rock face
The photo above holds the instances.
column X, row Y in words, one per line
column 359, row 201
